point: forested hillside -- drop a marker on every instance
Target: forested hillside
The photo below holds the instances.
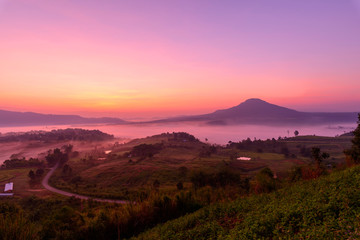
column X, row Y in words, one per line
column 327, row 208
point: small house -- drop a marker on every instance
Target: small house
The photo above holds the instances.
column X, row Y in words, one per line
column 9, row 187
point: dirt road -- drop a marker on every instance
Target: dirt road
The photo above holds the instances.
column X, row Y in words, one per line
column 45, row 183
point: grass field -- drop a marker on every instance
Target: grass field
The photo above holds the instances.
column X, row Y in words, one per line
column 333, row 145
column 22, row 186
column 121, row 174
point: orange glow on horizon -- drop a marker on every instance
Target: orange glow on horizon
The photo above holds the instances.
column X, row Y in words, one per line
column 68, row 57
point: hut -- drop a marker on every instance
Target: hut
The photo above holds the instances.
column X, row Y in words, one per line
column 9, row 187
column 8, row 190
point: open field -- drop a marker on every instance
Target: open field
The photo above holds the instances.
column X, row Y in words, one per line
column 22, row 186
column 333, row 145
column 39, row 149
column 121, row 174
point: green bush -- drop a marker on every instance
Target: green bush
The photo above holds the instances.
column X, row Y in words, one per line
column 326, row 208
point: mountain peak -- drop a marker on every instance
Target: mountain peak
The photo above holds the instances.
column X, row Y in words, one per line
column 254, row 101
column 255, row 108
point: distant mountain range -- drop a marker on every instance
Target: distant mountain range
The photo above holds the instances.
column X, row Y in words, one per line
column 252, row 111
column 9, row 118
column 257, row 111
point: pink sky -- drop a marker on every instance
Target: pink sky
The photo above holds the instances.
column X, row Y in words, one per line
column 164, row 58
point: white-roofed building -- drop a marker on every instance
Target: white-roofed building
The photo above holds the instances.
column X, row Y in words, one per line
column 9, row 187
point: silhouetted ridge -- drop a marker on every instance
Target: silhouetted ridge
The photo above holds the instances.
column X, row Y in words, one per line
column 252, row 111
column 257, row 111
column 255, row 107
column 9, row 118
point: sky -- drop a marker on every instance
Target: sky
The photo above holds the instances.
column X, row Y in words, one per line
column 134, row 59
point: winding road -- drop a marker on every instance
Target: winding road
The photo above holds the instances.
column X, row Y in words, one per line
column 45, row 183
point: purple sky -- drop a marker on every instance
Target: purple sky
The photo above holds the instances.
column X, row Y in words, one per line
column 135, row 58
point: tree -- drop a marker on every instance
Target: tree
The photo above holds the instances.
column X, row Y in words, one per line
column 146, row 150
column 225, row 177
column 353, row 154
column 264, row 181
column 285, row 151
column 180, row 186
column 56, row 156
column 76, row 179
column 66, row 170
column 39, row 172
column 68, row 148
column 199, row 179
column 296, row 133
column 319, row 157
column 31, row 175
column 295, row 174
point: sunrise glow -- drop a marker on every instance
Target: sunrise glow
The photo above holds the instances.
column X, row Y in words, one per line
column 128, row 58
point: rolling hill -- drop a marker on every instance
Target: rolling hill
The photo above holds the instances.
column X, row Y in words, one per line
column 326, row 208
column 10, row 118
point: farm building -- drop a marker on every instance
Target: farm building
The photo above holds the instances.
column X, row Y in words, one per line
column 9, row 187
column 8, row 190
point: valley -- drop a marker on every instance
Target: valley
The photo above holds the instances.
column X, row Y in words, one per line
column 158, row 178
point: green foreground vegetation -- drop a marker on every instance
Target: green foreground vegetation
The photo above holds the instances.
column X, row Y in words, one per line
column 327, row 208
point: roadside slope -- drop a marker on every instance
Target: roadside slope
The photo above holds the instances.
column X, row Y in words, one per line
column 327, row 208
column 45, row 183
